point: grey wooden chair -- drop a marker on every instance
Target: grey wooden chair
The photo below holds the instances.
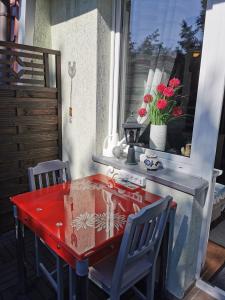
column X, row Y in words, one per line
column 137, row 255
column 43, row 175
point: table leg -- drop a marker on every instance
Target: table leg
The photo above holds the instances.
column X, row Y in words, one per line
column 20, row 254
column 72, row 284
column 82, row 280
column 60, row 289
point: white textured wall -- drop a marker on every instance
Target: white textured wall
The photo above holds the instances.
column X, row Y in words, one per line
column 77, row 27
column 103, row 70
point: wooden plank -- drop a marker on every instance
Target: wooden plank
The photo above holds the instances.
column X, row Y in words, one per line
column 6, row 205
column 11, row 174
column 7, row 93
column 29, row 138
column 33, row 65
column 7, row 71
column 29, row 99
column 28, row 103
column 6, row 165
column 27, row 108
column 33, row 153
column 12, row 181
column 20, row 54
column 27, row 64
column 26, row 163
column 40, row 145
column 46, row 68
column 28, row 120
column 38, row 128
column 6, row 148
column 6, row 224
column 59, row 96
column 12, row 189
column 28, row 88
column 34, row 73
column 6, row 227
column 22, row 80
column 6, row 130
column 34, row 111
column 28, row 48
column 7, row 111
column 36, row 94
column 6, row 208
column 8, row 193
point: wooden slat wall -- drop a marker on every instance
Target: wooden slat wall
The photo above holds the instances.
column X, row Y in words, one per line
column 30, row 118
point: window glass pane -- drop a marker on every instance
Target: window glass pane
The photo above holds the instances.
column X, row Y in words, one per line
column 164, row 41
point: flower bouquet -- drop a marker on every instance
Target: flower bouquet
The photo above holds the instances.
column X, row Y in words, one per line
column 160, row 108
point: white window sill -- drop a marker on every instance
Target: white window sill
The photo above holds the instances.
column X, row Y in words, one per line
column 177, row 180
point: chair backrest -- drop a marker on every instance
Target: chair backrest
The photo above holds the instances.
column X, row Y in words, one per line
column 48, row 173
column 142, row 236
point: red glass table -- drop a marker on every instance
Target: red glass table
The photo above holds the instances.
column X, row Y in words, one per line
column 81, row 221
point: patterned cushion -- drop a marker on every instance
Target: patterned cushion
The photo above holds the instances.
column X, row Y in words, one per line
column 219, row 193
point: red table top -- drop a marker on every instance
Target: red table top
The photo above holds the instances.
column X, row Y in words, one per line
column 83, row 215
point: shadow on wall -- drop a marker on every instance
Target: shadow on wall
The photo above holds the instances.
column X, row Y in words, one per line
column 177, row 268
column 84, row 166
column 68, row 9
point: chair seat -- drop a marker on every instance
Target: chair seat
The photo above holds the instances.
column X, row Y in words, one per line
column 102, row 272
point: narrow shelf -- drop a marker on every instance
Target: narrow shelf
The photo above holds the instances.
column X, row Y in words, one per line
column 177, row 180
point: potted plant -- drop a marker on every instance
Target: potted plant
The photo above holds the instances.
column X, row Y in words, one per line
column 160, row 107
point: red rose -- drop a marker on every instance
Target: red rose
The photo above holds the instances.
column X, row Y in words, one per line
column 142, row 112
column 148, row 98
column 161, row 104
column 177, row 111
column 168, row 92
column 174, row 82
column 161, row 87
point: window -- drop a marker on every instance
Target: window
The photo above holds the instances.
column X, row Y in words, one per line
column 162, row 39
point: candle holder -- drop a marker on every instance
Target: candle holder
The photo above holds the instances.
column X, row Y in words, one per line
column 132, row 131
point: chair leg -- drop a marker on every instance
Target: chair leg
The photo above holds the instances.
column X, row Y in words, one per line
column 72, row 284
column 114, row 295
column 20, row 258
column 37, row 255
column 60, row 289
column 150, row 284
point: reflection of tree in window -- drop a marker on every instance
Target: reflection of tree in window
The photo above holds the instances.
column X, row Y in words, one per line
column 151, row 44
column 187, row 67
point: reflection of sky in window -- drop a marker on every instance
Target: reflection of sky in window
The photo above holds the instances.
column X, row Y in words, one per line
column 165, row 15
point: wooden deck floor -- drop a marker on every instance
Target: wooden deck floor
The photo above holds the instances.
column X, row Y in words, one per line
column 215, row 258
column 39, row 288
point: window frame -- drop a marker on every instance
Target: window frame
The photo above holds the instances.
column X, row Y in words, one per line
column 185, row 164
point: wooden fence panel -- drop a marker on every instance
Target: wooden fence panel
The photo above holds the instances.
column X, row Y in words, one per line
column 30, row 117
